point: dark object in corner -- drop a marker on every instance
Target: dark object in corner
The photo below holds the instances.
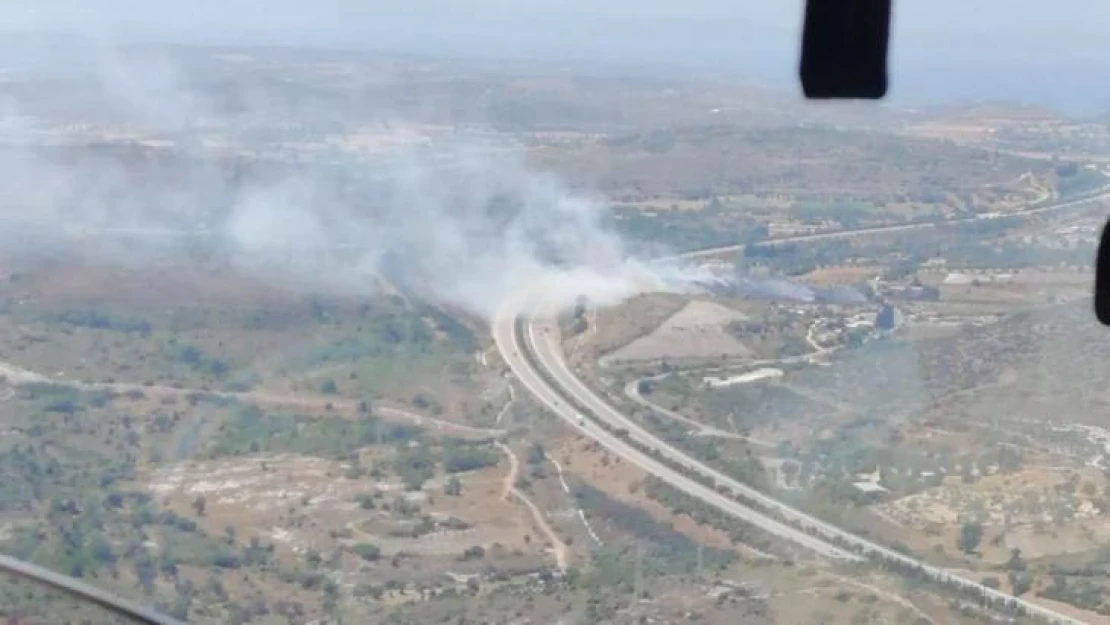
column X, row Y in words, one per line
column 1102, row 277
column 844, row 49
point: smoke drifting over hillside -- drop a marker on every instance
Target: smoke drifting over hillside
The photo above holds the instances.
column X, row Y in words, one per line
column 465, row 233
column 459, row 221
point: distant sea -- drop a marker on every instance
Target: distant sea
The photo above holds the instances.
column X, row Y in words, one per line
column 923, row 72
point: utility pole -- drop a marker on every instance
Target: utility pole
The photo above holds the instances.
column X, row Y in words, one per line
column 698, row 569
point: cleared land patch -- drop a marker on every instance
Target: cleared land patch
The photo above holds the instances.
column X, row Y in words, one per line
column 696, row 332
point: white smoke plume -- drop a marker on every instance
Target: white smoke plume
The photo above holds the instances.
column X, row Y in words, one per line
column 460, row 221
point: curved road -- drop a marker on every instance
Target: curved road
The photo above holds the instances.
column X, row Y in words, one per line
column 549, row 354
column 541, row 340
column 504, row 333
column 141, row 614
column 558, row 547
column 17, row 375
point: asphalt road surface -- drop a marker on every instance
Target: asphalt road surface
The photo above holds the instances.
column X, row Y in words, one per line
column 513, row 353
column 541, row 339
column 1099, row 194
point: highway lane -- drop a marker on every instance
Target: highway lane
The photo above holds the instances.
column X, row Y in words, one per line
column 1100, row 194
column 550, row 398
column 512, row 351
column 541, row 334
column 544, row 338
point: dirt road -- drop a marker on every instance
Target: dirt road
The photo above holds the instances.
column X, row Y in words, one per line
column 18, row 376
column 558, row 547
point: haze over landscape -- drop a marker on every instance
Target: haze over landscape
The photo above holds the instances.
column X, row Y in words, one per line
column 1043, row 53
column 561, row 313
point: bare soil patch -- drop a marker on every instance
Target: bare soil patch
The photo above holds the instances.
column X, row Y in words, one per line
column 1033, row 510
column 841, row 275
column 615, row 327
column 696, row 332
column 302, row 502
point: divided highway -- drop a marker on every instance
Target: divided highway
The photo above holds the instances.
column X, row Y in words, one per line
column 552, row 385
column 515, row 354
column 1092, row 196
column 551, row 382
column 535, row 356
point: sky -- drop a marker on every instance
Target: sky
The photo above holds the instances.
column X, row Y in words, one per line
column 1052, row 53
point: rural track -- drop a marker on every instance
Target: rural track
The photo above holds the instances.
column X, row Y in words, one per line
column 552, row 383
column 549, row 397
column 513, row 350
column 819, row 536
column 558, row 547
column 16, row 375
column 700, row 429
